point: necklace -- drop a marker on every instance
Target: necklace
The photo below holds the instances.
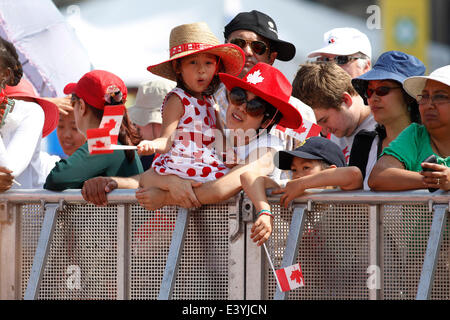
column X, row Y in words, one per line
column 439, row 153
column 6, row 106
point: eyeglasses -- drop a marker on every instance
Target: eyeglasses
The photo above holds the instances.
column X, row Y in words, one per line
column 340, row 60
column 258, row 47
column 380, row 91
column 436, row 99
column 254, row 107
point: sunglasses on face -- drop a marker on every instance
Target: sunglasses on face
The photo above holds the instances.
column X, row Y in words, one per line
column 340, row 60
column 380, row 91
column 254, row 107
column 436, row 99
column 258, row 47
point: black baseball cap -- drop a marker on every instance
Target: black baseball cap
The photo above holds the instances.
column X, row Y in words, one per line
column 314, row 148
column 264, row 26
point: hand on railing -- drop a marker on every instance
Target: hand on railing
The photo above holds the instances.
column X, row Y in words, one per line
column 6, row 179
column 95, row 190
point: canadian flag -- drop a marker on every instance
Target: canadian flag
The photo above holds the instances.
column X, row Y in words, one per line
column 290, row 277
column 99, row 141
column 306, row 130
column 112, row 119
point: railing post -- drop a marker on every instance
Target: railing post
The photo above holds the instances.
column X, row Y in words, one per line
column 175, row 251
column 9, row 252
column 42, row 250
column 123, row 253
column 432, row 253
column 292, row 244
column 374, row 279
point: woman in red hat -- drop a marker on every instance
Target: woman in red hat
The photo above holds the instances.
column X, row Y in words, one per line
column 25, row 119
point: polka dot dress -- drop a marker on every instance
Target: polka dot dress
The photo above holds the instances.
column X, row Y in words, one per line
column 193, row 155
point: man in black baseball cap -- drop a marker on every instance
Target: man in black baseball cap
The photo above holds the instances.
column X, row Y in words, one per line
column 256, row 33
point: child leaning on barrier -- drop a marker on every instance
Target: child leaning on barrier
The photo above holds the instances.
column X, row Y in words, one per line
column 318, row 163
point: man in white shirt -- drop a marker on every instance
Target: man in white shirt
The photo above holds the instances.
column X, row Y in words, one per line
column 257, row 35
column 339, row 109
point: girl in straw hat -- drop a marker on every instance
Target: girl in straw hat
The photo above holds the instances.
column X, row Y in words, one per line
column 189, row 119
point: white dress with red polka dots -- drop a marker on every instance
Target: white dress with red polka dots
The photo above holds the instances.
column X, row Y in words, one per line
column 192, row 155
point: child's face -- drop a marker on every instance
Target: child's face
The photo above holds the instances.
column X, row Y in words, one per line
column 69, row 137
column 198, row 70
column 304, row 167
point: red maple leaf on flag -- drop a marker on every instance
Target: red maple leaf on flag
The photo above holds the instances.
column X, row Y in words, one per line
column 99, row 144
column 301, row 129
column 297, row 276
column 110, row 124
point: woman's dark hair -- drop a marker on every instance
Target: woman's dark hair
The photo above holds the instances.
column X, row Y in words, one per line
column 10, row 59
column 213, row 86
column 269, row 113
column 413, row 110
column 128, row 133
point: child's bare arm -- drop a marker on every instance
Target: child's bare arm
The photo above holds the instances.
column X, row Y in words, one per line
column 255, row 187
column 172, row 113
column 347, row 178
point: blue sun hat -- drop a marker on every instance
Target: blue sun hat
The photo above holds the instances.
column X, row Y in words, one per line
column 391, row 65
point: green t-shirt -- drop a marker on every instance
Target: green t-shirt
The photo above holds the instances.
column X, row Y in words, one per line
column 71, row 173
column 412, row 146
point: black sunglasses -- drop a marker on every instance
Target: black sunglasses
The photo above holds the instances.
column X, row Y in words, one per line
column 254, row 107
column 340, row 60
column 380, row 91
column 258, row 47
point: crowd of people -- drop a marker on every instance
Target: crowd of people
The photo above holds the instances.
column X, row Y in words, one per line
column 215, row 122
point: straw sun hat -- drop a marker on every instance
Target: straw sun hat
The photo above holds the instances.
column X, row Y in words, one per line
column 193, row 38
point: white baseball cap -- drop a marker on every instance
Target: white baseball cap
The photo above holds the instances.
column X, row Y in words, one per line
column 415, row 85
column 344, row 42
column 149, row 98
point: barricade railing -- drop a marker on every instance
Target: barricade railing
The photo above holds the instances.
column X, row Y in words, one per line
column 351, row 245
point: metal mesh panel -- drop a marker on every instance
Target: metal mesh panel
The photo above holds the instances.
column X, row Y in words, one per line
column 151, row 235
column 333, row 252
column 203, row 269
column 406, row 229
column 82, row 262
column 32, row 217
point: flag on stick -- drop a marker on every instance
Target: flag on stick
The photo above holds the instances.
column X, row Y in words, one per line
column 290, row 277
column 112, row 119
column 306, row 130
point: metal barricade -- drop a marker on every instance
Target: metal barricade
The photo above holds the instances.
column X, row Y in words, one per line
column 352, row 245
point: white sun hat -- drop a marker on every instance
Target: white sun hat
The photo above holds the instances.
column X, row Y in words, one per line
column 415, row 85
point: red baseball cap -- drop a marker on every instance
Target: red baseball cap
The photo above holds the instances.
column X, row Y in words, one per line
column 98, row 87
column 271, row 85
column 26, row 90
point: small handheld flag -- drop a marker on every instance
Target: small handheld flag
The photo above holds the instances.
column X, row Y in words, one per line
column 306, row 130
column 112, row 119
column 99, row 142
column 288, row 278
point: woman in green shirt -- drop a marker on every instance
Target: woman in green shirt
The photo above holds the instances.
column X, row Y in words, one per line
column 401, row 164
column 94, row 91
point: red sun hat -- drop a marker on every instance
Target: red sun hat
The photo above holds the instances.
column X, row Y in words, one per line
column 97, row 87
column 271, row 85
column 26, row 90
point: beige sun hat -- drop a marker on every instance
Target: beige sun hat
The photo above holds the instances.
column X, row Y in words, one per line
column 415, row 85
column 193, row 38
column 149, row 98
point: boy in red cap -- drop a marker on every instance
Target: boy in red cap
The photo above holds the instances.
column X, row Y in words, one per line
column 95, row 90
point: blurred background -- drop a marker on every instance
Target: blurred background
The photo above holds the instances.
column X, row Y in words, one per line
column 125, row 37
